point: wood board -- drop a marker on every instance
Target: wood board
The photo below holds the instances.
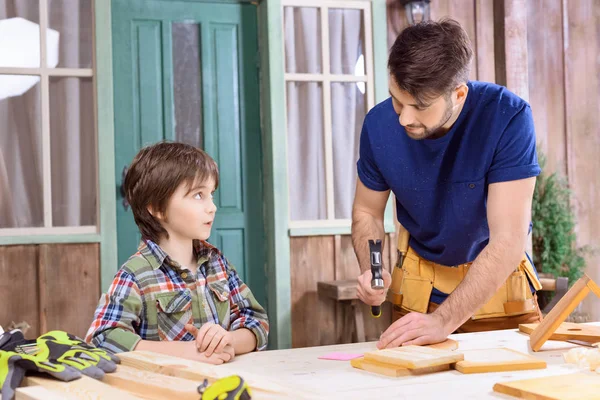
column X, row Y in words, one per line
column 561, row 311
column 497, row 360
column 561, row 387
column 195, row 371
column 151, row 385
column 569, row 331
column 393, row 370
column 82, row 388
column 39, row 393
column 414, row 356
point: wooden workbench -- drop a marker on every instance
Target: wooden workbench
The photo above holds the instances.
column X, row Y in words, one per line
column 337, row 379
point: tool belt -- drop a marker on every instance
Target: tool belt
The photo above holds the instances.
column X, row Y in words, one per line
column 418, row 277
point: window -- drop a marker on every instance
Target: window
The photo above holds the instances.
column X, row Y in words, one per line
column 329, row 88
column 48, row 151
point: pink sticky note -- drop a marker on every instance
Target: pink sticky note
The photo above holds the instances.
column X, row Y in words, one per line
column 340, row 356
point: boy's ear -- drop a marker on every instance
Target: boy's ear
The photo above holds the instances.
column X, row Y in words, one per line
column 156, row 214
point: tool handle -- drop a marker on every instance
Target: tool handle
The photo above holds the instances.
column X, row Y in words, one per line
column 376, row 311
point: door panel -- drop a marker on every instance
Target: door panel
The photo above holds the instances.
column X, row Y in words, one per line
column 188, row 71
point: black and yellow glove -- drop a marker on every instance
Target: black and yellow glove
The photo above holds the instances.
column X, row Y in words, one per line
column 14, row 366
column 71, row 350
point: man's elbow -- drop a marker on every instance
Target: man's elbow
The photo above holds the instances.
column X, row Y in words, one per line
column 511, row 244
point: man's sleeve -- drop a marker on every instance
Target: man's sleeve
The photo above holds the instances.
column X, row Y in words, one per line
column 368, row 172
column 118, row 310
column 515, row 157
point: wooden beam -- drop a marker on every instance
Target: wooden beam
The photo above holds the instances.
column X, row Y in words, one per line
column 510, row 48
column 559, row 313
column 151, row 385
column 84, row 387
column 39, row 393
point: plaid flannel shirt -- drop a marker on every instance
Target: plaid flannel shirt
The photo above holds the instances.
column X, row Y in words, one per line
column 152, row 298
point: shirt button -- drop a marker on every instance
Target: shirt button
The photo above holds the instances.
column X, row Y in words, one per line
column 471, row 185
column 184, row 275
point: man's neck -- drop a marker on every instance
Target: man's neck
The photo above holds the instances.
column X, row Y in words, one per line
column 181, row 251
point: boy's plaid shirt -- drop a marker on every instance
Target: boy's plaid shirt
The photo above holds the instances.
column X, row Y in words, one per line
column 152, row 298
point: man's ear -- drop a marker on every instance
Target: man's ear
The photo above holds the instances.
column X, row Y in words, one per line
column 460, row 94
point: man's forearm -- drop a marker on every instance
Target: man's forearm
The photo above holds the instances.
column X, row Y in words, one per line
column 364, row 227
column 487, row 273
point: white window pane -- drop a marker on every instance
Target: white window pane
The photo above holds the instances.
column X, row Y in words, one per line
column 348, row 110
column 73, row 152
column 306, row 157
column 302, row 37
column 187, row 83
column 21, row 185
column 72, row 19
column 346, row 42
column 20, row 20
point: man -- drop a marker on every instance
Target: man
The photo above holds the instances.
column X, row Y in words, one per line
column 460, row 158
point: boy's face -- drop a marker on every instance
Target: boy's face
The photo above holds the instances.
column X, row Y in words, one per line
column 190, row 212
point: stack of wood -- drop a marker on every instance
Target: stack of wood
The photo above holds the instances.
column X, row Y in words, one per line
column 147, row 375
column 417, row 360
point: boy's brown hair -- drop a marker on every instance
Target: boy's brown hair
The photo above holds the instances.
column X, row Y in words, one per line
column 154, row 175
column 430, row 59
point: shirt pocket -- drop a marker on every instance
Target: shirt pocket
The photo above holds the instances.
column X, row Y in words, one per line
column 220, row 292
column 468, row 202
column 174, row 310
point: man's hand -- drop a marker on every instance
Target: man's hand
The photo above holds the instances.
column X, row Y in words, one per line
column 211, row 338
column 414, row 329
column 370, row 296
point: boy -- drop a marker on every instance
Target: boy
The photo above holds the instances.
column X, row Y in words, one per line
column 177, row 295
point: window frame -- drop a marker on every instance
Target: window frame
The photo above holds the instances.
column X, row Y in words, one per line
column 49, row 233
column 331, row 225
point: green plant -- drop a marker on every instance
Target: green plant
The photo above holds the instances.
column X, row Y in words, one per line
column 553, row 237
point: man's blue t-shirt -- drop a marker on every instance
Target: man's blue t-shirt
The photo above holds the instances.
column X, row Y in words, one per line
column 441, row 184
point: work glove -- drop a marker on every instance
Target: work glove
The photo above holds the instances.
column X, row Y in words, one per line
column 58, row 353
column 14, row 366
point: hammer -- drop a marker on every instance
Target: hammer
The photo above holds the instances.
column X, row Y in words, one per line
column 376, row 271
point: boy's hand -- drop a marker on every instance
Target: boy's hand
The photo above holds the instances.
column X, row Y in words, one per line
column 211, row 338
column 216, row 358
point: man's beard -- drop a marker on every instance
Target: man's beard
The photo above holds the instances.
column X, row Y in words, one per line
column 431, row 133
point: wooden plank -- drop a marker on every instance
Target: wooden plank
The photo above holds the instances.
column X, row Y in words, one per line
column 563, row 387
column 192, row 370
column 568, row 331
column 68, row 272
column 151, row 385
column 497, row 360
column 484, row 38
column 414, row 356
column 582, row 81
column 559, row 313
column 462, row 11
column 39, row 393
column 510, row 27
column 82, row 388
column 312, row 260
column 393, row 370
column 339, row 290
column 19, row 288
column 545, row 48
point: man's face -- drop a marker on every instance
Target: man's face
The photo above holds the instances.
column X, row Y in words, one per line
column 421, row 121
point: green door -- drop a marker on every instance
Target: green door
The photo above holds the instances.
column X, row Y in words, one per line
column 187, row 71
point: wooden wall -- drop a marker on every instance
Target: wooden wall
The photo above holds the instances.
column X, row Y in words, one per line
column 49, row 286
column 317, row 321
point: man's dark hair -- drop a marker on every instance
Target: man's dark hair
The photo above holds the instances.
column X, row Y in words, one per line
column 154, row 175
column 430, row 59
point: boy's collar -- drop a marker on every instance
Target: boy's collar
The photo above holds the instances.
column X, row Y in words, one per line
column 156, row 256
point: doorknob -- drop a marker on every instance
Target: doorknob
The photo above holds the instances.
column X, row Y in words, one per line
column 122, row 190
